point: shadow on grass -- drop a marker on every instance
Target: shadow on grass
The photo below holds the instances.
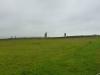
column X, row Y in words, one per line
column 27, row 73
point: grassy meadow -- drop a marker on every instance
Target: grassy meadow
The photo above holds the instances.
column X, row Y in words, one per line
column 72, row 56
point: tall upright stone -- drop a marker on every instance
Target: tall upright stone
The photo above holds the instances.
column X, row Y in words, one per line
column 45, row 35
column 65, row 35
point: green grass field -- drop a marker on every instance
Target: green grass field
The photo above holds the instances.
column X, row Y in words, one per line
column 73, row 56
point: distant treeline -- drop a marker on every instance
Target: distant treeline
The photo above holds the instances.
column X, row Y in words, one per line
column 46, row 37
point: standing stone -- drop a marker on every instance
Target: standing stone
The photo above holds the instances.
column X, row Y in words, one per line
column 45, row 35
column 65, row 35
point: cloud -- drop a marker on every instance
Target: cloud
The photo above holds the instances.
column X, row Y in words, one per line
column 34, row 17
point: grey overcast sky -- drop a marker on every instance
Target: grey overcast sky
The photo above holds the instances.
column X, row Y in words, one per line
column 34, row 17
